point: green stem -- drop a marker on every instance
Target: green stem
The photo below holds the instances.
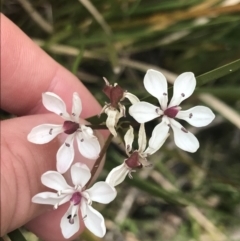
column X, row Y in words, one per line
column 219, row 72
column 97, row 127
column 16, row 235
column 100, row 158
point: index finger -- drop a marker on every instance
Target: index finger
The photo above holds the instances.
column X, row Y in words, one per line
column 27, row 71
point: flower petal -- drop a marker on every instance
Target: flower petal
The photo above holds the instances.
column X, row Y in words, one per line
column 159, row 136
column 54, row 103
column 117, row 175
column 131, row 97
column 44, row 133
column 143, row 112
column 183, row 138
column 183, row 87
column 88, row 144
column 197, row 116
column 102, row 192
column 112, row 119
column 76, row 107
column 48, row 198
column 65, row 154
column 142, row 140
column 54, row 180
column 128, row 139
column 69, row 229
column 156, row 84
column 94, row 221
column 80, row 174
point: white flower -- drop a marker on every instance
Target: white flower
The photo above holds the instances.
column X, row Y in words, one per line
column 156, row 84
column 115, row 94
column 137, row 158
column 88, row 144
column 78, row 197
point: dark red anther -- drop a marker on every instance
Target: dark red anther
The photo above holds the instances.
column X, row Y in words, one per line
column 172, row 111
column 70, row 127
column 116, row 95
column 133, row 161
column 107, row 89
column 76, row 198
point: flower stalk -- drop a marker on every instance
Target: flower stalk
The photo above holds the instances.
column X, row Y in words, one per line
column 99, row 159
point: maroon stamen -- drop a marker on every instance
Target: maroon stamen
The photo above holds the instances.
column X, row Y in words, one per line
column 76, row 198
column 107, row 89
column 171, row 112
column 133, row 161
column 70, row 127
column 114, row 93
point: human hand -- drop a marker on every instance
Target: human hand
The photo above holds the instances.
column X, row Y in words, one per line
column 27, row 72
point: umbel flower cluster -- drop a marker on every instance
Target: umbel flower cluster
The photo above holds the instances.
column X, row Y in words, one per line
column 77, row 193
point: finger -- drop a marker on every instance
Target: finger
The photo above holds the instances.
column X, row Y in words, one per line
column 23, row 163
column 27, row 71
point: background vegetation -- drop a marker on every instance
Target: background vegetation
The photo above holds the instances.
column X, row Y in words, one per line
column 184, row 196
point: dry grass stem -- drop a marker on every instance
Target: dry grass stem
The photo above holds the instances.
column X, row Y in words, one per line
column 225, row 110
column 36, row 16
column 95, row 13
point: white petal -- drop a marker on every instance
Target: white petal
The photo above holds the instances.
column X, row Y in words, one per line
column 159, row 136
column 112, row 119
column 183, row 87
column 102, row 192
column 117, row 175
column 68, row 229
column 44, row 133
column 54, row 103
column 94, row 221
column 197, row 116
column 80, row 174
column 128, row 139
column 48, row 198
column 88, row 145
column 142, row 140
column 156, row 84
column 54, row 180
column 65, row 154
column 76, row 107
column 131, row 97
column 185, row 141
column 143, row 112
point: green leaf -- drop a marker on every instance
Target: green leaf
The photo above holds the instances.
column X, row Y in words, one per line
column 219, row 72
column 177, row 198
column 157, row 191
column 16, row 235
column 78, row 59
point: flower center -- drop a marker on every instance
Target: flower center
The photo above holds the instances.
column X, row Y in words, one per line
column 76, row 198
column 70, row 127
column 133, row 161
column 172, row 111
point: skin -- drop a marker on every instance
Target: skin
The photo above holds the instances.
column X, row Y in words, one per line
column 26, row 72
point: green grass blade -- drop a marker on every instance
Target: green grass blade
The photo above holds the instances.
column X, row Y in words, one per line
column 78, row 60
column 16, row 235
column 219, row 72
